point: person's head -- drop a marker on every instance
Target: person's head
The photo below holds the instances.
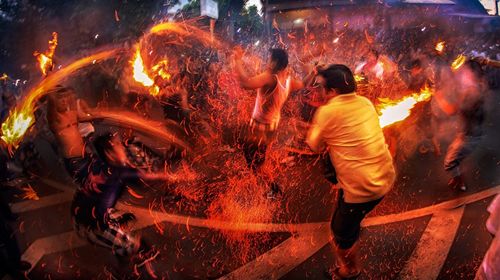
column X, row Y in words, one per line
column 373, row 55
column 475, row 67
column 110, row 149
column 415, row 67
column 337, row 78
column 61, row 98
column 278, row 60
column 9, row 98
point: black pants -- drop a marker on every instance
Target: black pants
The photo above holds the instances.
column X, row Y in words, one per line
column 258, row 138
column 346, row 220
column 255, row 154
column 9, row 252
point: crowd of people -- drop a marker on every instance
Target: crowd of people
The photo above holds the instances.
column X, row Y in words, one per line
column 344, row 126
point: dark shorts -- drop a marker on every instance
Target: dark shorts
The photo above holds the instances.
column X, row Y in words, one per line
column 346, row 220
column 259, row 136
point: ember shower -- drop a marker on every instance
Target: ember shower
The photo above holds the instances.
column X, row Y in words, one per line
column 179, row 84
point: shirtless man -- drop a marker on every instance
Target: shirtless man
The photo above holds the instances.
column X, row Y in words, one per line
column 62, row 117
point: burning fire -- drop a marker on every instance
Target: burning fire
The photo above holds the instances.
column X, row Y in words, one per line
column 141, row 76
column 440, row 46
column 458, row 62
column 359, row 78
column 22, row 117
column 16, row 125
column 139, row 72
column 161, row 69
column 394, row 111
column 45, row 61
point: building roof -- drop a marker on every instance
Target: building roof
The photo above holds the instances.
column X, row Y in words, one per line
column 468, row 6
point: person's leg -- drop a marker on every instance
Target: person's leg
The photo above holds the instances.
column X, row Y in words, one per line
column 330, row 172
column 454, row 155
column 77, row 168
column 346, row 226
column 459, row 149
column 107, row 200
column 114, row 238
column 255, row 148
column 5, row 209
column 10, row 255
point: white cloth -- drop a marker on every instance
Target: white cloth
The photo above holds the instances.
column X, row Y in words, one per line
column 267, row 109
column 85, row 128
column 491, row 262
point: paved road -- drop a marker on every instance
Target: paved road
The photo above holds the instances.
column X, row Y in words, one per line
column 421, row 230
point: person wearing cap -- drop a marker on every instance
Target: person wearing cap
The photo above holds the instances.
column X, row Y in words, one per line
column 348, row 127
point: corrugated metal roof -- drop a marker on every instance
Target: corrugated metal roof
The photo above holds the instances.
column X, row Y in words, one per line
column 442, row 2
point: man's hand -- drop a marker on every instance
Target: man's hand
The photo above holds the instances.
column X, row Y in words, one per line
column 319, row 67
column 481, row 60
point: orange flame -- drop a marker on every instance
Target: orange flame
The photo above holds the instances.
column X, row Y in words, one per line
column 141, row 76
column 16, row 125
column 45, row 61
column 440, row 46
column 22, row 117
column 359, row 78
column 458, row 62
column 139, row 72
column 161, row 69
column 394, row 111
column 184, row 29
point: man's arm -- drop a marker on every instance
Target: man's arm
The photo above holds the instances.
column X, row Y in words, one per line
column 246, row 81
column 166, row 177
column 85, row 113
column 259, row 81
column 488, row 62
column 446, row 106
column 314, row 135
column 493, row 63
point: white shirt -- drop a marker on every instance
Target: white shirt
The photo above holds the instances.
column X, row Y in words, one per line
column 267, row 109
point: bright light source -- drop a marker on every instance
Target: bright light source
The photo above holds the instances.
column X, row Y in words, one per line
column 257, row 43
column 336, row 40
column 298, row 21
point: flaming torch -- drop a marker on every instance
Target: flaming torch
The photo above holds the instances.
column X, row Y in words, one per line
column 16, row 125
column 391, row 111
column 458, row 62
column 161, row 69
column 45, row 61
column 139, row 72
column 141, row 76
column 22, row 117
column 440, row 46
